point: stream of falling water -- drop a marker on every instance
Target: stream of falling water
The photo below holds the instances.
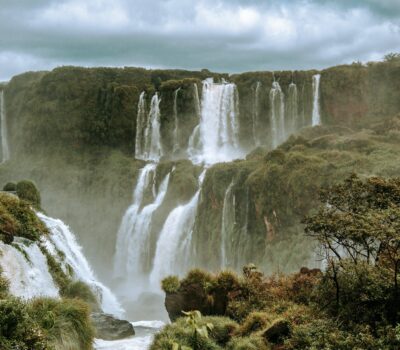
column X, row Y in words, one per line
column 176, row 145
column 277, row 102
column 173, row 245
column 5, row 151
column 316, row 118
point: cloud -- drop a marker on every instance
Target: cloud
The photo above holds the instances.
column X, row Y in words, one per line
column 229, row 35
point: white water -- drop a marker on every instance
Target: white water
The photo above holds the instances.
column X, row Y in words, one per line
column 62, row 239
column 173, row 246
column 28, row 279
column 153, row 138
column 176, row 145
column 137, row 249
column 129, row 221
column 277, row 104
column 228, row 222
column 292, row 109
column 141, row 341
column 196, row 100
column 256, row 114
column 5, row 152
column 141, row 122
column 219, row 123
column 316, row 118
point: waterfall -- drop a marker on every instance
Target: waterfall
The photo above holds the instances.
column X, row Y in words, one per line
column 219, row 123
column 196, row 100
column 140, row 127
column 194, row 144
column 25, row 266
column 176, row 122
column 256, row 114
column 61, row 239
column 316, row 118
column 137, row 251
column 5, row 152
column 152, row 134
column 173, row 246
column 292, row 109
column 277, row 103
column 128, row 224
column 228, row 223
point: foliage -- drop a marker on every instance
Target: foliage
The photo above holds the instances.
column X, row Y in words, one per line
column 66, row 323
column 358, row 229
column 80, row 290
column 170, row 284
column 10, row 187
column 28, row 191
column 17, row 218
column 17, row 329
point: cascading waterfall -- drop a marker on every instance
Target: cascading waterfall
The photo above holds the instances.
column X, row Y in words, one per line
column 25, row 265
column 256, row 114
column 28, row 272
column 138, row 248
column 153, row 150
column 292, row 109
column 316, row 118
column 176, row 121
column 219, row 123
column 196, row 100
column 173, row 245
column 128, row 224
column 227, row 226
column 277, row 103
column 5, row 152
column 63, row 240
column 141, row 122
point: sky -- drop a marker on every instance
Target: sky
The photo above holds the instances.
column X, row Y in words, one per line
column 220, row 35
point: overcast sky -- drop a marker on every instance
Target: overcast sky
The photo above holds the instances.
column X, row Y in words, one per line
column 221, row 35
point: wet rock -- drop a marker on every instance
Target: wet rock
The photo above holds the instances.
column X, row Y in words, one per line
column 110, row 328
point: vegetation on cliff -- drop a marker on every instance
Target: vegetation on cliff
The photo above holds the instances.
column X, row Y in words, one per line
column 352, row 304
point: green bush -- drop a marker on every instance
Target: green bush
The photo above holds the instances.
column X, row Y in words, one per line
column 10, row 187
column 66, row 323
column 17, row 329
column 18, row 219
column 28, row 191
column 170, row 284
column 80, row 290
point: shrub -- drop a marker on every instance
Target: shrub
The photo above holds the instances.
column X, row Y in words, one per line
column 255, row 322
column 28, row 191
column 17, row 329
column 80, row 290
column 170, row 284
column 10, row 187
column 66, row 323
column 247, row 343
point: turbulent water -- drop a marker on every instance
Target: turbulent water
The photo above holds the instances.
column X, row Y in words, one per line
column 5, row 152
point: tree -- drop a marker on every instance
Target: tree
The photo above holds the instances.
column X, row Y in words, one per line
column 358, row 228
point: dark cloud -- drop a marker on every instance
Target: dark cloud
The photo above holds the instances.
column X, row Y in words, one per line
column 228, row 35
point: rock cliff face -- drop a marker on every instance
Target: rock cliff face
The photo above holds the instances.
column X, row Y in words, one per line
column 73, row 131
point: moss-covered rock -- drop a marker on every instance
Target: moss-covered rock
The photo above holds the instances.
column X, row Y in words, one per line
column 28, row 191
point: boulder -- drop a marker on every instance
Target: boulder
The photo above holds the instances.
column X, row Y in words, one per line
column 278, row 330
column 110, row 328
